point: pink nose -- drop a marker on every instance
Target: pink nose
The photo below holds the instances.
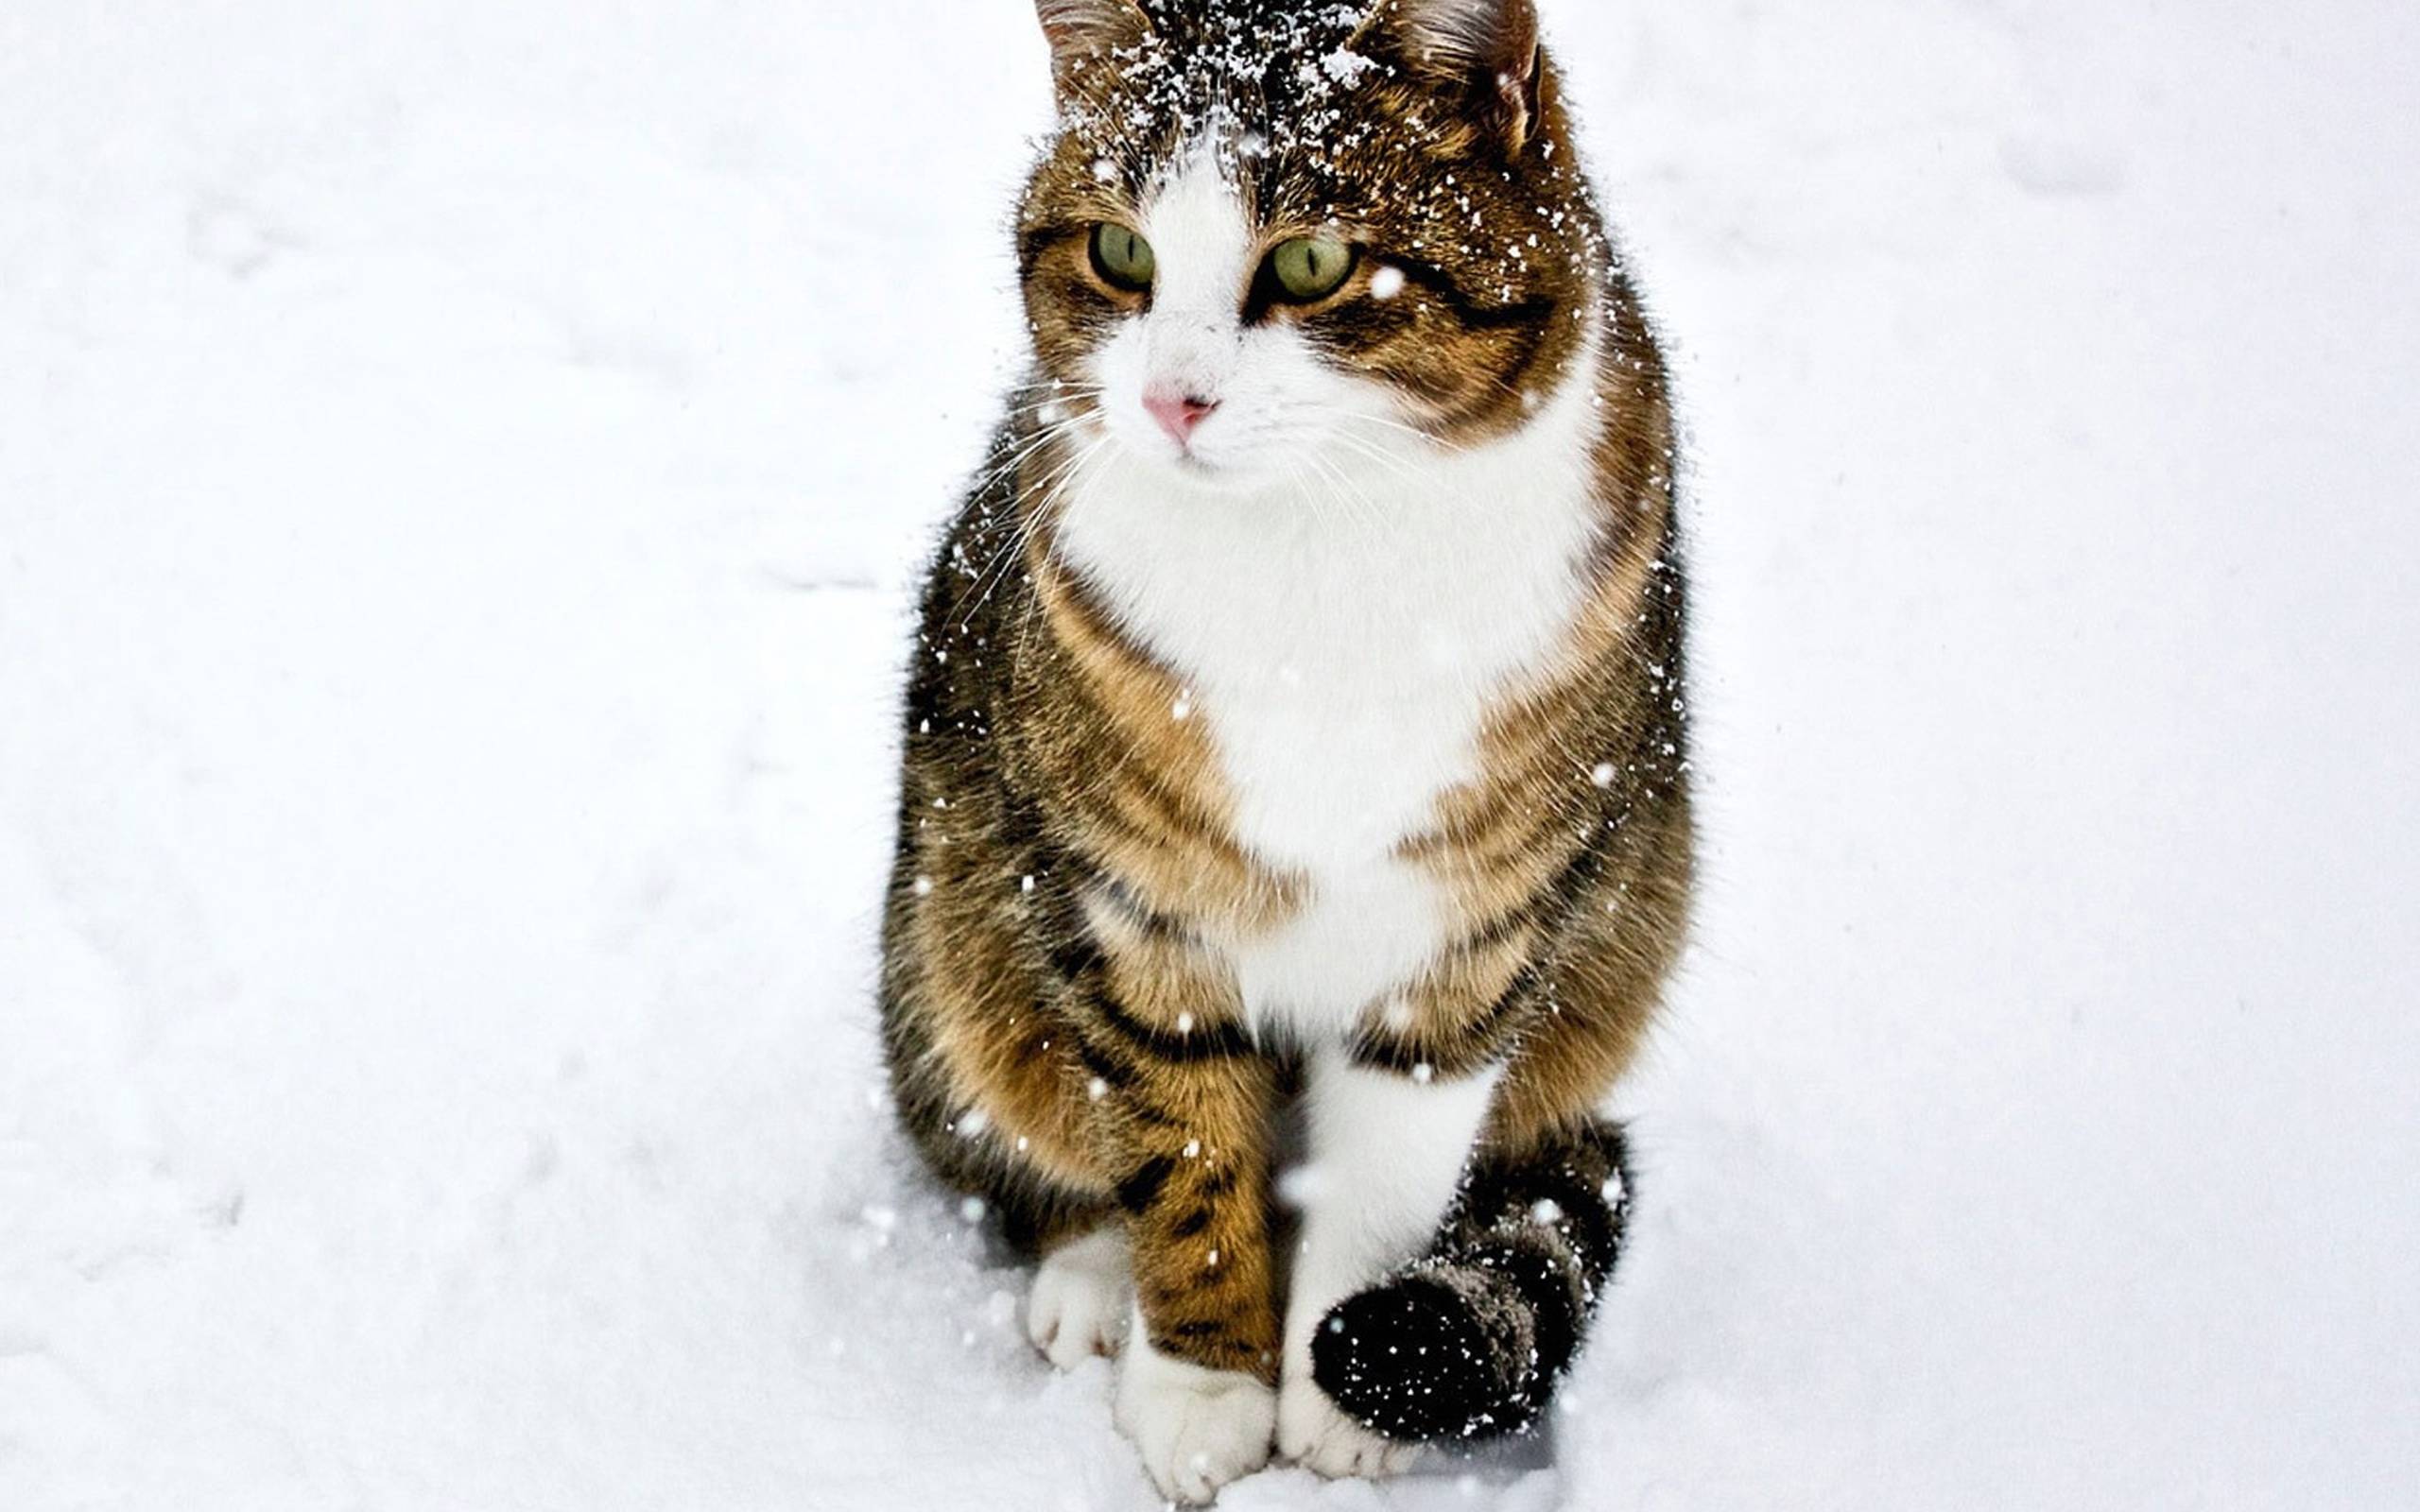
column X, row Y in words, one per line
column 1178, row 414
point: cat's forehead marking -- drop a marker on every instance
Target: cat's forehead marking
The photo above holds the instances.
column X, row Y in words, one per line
column 1200, row 232
column 1247, row 77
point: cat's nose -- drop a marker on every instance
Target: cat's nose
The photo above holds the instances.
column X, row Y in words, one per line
column 1178, row 413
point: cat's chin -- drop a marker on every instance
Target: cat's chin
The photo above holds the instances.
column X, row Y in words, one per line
column 1213, row 473
column 1209, row 475
column 1222, row 472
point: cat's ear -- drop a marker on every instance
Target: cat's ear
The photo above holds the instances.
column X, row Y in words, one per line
column 1484, row 51
column 1082, row 33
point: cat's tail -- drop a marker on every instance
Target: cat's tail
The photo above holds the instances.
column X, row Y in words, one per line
column 1466, row 1342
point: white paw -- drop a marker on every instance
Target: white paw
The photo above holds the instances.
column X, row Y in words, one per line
column 1314, row 1434
column 1197, row 1429
column 1081, row 1297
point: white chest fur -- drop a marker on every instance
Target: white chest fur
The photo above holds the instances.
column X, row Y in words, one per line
column 1342, row 644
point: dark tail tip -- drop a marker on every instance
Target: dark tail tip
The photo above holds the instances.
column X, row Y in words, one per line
column 1412, row 1360
column 1466, row 1342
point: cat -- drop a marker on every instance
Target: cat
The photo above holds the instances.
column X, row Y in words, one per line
column 1298, row 712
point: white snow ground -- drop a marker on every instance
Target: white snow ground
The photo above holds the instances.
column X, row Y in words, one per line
column 461, row 466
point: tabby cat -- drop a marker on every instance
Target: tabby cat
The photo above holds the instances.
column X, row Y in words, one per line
column 1297, row 723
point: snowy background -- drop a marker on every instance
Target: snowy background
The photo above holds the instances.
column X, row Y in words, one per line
column 461, row 470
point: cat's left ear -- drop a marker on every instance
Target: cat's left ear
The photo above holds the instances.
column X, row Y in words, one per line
column 1485, row 50
column 1082, row 33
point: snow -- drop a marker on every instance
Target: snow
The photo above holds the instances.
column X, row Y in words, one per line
column 461, row 472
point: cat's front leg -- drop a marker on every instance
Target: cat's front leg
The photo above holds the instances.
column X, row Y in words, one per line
column 1388, row 1145
column 1189, row 1103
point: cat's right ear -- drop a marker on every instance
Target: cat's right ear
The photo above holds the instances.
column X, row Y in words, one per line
column 1083, row 33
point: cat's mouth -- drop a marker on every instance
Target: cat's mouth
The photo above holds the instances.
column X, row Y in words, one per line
column 1188, row 459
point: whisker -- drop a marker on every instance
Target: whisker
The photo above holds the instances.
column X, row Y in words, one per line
column 1018, row 532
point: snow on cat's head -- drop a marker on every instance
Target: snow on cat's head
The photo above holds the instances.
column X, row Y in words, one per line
column 1273, row 241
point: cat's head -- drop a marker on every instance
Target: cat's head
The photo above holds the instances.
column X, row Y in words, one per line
column 1271, row 237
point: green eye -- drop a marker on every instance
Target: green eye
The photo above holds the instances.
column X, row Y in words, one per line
column 1122, row 257
column 1312, row 267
